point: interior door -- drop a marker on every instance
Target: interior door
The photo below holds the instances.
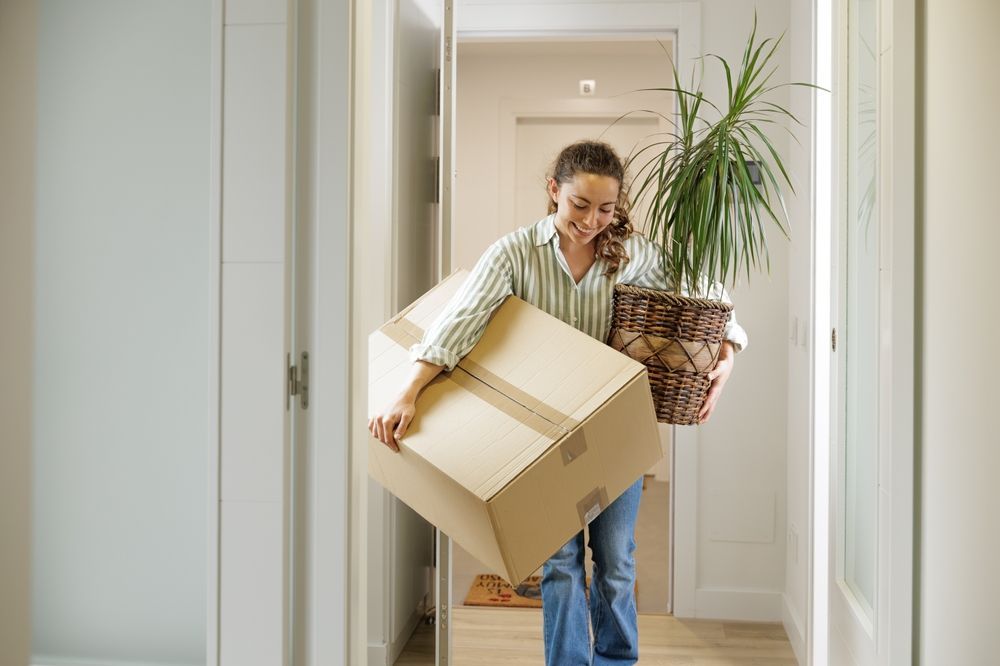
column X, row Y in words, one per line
column 384, row 256
column 414, row 222
column 859, row 525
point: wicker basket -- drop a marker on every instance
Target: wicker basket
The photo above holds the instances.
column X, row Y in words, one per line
column 677, row 338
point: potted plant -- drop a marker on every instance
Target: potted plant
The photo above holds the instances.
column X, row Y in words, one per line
column 710, row 186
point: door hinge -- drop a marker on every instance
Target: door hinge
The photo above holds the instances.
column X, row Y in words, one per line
column 437, row 91
column 437, row 180
column 833, row 340
column 297, row 381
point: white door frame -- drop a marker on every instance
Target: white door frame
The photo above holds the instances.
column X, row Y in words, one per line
column 486, row 22
column 680, row 22
column 890, row 638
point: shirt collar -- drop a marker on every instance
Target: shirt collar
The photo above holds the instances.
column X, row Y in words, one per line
column 545, row 229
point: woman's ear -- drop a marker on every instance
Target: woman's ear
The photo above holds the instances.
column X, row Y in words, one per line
column 553, row 190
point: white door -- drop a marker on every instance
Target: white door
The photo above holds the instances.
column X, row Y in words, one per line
column 414, row 195
column 390, row 257
column 860, row 527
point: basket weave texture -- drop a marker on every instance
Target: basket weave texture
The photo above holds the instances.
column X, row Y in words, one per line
column 677, row 338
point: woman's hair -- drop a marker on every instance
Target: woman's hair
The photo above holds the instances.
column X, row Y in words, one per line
column 600, row 159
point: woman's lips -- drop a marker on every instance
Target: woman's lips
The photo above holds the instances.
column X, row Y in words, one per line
column 582, row 232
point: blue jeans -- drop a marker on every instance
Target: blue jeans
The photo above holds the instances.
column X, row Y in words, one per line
column 612, row 592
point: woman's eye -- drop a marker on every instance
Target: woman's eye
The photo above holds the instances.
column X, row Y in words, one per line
column 607, row 212
column 579, row 207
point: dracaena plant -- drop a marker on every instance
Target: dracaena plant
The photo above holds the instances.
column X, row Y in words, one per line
column 711, row 186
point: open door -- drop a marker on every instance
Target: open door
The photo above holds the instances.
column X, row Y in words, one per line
column 385, row 252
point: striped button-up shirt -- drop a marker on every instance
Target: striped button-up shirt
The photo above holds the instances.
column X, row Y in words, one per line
column 529, row 264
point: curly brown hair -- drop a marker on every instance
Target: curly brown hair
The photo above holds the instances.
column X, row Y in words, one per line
column 600, row 159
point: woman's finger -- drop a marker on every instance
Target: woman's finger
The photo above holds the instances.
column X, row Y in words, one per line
column 404, row 423
column 388, row 425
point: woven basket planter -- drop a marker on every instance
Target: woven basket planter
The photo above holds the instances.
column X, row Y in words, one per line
column 677, row 338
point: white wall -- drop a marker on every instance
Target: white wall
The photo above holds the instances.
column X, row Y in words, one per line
column 18, row 42
column 742, row 448
column 121, row 364
column 957, row 313
column 490, row 73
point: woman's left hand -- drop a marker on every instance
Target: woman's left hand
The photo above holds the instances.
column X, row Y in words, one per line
column 718, row 376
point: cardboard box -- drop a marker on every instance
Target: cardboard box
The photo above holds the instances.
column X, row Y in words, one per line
column 527, row 440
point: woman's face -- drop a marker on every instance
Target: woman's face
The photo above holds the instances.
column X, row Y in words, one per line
column 585, row 206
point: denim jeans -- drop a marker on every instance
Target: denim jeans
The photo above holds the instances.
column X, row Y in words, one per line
column 612, row 592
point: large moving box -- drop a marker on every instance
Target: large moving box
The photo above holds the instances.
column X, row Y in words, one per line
column 528, row 439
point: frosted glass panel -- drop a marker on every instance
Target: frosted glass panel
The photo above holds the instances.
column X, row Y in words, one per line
column 862, row 311
column 120, row 390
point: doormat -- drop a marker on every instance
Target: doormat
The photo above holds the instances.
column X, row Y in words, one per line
column 492, row 590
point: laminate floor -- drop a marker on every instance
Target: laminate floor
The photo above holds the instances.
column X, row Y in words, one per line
column 509, row 637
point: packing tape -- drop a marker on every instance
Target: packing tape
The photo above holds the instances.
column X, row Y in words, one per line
column 574, row 447
column 523, row 397
column 398, row 334
column 410, row 328
column 591, row 506
column 506, row 405
column 405, row 334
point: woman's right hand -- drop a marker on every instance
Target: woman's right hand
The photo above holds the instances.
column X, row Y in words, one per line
column 391, row 424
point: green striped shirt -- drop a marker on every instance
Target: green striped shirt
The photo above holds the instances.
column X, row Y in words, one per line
column 528, row 264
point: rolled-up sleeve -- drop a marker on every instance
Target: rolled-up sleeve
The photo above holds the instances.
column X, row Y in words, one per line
column 733, row 331
column 648, row 272
column 461, row 324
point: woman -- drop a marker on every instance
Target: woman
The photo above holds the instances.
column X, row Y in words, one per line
column 566, row 264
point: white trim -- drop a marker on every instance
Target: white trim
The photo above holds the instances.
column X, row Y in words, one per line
column 569, row 19
column 213, row 564
column 378, row 653
column 902, row 57
column 45, row 660
column 502, row 21
column 823, row 137
column 335, row 503
column 795, row 628
column 738, row 604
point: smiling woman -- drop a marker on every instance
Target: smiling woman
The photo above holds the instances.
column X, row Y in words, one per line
column 566, row 264
column 517, row 94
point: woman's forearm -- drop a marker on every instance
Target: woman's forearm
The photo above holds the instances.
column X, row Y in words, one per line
column 420, row 376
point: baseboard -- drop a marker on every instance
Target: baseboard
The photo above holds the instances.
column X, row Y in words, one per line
column 378, row 654
column 46, row 660
column 403, row 637
column 738, row 604
column 795, row 630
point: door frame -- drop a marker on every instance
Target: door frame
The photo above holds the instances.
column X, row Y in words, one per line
column 893, row 631
column 486, row 22
column 680, row 22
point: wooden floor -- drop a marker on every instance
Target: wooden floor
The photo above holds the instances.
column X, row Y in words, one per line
column 510, row 636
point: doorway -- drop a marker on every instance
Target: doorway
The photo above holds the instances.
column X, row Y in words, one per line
column 706, row 522
column 517, row 104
